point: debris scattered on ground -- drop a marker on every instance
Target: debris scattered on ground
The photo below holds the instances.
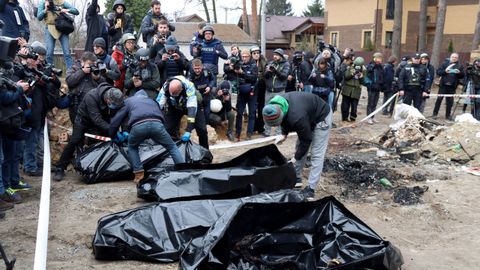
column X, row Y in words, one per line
column 409, row 195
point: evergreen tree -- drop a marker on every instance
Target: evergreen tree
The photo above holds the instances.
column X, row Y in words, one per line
column 314, row 10
column 279, row 7
column 136, row 8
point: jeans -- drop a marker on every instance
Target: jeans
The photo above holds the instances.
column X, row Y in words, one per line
column 373, row 97
column 318, row 148
column 150, row 130
column 12, row 151
column 242, row 101
column 30, row 151
column 331, row 99
column 307, row 88
column 389, row 108
column 64, row 42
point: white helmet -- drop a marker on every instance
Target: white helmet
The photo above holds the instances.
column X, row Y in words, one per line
column 215, row 105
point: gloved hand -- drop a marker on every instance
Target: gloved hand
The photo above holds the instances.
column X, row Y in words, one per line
column 125, row 135
column 280, row 139
column 119, row 138
column 186, row 137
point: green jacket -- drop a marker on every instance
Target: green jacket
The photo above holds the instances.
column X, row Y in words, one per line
column 352, row 87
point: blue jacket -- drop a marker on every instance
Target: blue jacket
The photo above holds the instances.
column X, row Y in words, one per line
column 16, row 24
column 210, row 56
column 389, row 76
column 137, row 108
column 204, row 80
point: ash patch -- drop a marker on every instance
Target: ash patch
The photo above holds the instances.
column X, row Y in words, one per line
column 409, row 195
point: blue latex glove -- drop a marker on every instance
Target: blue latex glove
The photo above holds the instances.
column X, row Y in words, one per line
column 186, row 137
column 119, row 138
column 125, row 135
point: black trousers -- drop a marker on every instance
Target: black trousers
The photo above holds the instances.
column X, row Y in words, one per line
column 76, row 142
column 413, row 95
column 172, row 124
column 260, row 89
column 389, row 108
column 445, row 89
column 349, row 108
column 373, row 97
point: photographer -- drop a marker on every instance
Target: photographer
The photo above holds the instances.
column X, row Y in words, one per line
column 197, row 40
column 171, row 61
column 376, row 78
column 142, row 75
column 306, row 68
column 179, row 97
column 225, row 113
column 44, row 94
column 261, row 63
column 94, row 115
column 473, row 79
column 96, row 25
column 118, row 23
column 81, row 79
column 124, row 55
column 107, row 65
column 159, row 39
column 247, row 74
column 49, row 10
column 412, row 82
column 210, row 50
column 151, row 20
column 322, row 79
column 293, row 79
column 204, row 81
column 352, row 87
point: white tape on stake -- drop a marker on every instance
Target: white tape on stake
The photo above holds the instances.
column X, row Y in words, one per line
column 379, row 109
column 100, row 138
column 41, row 246
column 454, row 95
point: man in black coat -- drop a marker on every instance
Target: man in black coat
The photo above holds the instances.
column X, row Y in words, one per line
column 94, row 113
column 96, row 26
column 451, row 72
column 311, row 118
column 412, row 82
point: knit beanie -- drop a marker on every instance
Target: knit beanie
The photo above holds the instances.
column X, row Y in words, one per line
column 272, row 114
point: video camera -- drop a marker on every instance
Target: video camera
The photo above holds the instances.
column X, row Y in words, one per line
column 98, row 68
column 197, row 45
column 161, row 37
column 237, row 64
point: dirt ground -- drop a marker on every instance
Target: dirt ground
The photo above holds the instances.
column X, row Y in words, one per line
column 441, row 232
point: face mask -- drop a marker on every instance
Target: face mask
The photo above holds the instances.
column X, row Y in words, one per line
column 112, row 106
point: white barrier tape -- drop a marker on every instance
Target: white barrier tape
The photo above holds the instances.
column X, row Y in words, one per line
column 100, row 138
column 247, row 143
column 40, row 261
column 59, row 126
column 379, row 109
column 454, row 95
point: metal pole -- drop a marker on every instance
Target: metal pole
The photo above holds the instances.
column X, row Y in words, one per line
column 263, row 37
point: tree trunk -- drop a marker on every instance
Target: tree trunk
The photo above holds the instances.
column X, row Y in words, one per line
column 254, row 20
column 205, row 7
column 245, row 17
column 437, row 43
column 476, row 36
column 214, row 11
column 422, row 29
column 397, row 28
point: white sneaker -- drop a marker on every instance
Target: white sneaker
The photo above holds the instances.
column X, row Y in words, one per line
column 370, row 121
column 374, row 120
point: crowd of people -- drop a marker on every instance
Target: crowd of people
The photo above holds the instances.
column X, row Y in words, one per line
column 133, row 93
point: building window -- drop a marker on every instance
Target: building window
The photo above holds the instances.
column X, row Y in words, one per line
column 334, row 38
column 388, row 39
column 298, row 38
column 390, row 10
column 367, row 40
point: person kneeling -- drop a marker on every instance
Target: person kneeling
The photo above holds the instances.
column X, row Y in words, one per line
column 145, row 121
column 221, row 109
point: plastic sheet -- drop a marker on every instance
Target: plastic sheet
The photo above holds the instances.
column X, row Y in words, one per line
column 262, row 169
column 106, row 161
column 159, row 232
column 307, row 235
